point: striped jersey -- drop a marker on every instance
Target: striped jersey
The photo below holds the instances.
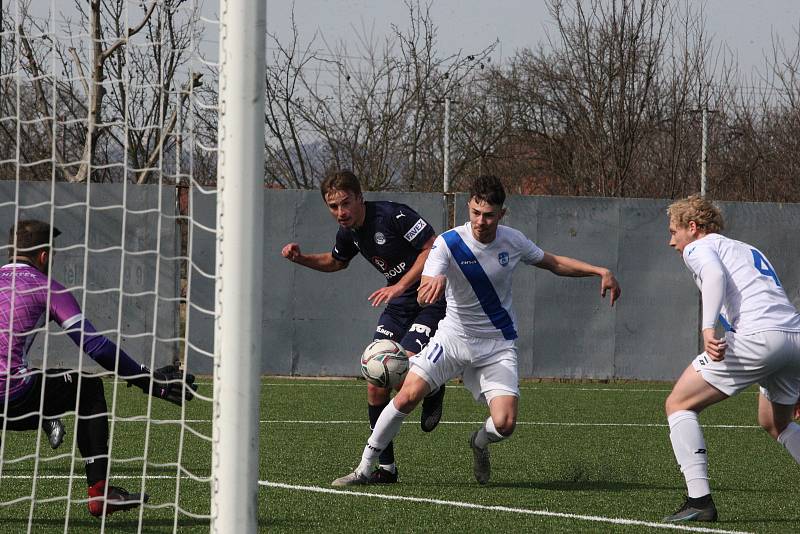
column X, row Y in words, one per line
column 753, row 299
column 479, row 278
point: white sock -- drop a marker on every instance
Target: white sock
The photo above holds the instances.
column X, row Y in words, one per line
column 392, row 468
column 488, row 434
column 790, row 438
column 690, row 451
column 386, row 428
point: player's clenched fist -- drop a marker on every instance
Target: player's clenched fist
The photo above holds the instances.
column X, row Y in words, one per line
column 291, row 251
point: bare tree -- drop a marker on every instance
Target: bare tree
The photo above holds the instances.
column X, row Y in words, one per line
column 127, row 100
column 376, row 110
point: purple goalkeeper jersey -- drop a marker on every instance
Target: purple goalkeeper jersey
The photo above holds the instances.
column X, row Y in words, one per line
column 23, row 299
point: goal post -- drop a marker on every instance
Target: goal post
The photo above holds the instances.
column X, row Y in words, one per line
column 123, row 124
column 240, row 223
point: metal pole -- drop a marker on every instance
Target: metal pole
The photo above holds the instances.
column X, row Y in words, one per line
column 447, row 144
column 239, row 260
column 704, row 153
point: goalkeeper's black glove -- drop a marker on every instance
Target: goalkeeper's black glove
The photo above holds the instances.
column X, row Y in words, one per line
column 166, row 383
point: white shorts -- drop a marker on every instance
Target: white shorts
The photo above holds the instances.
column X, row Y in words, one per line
column 770, row 359
column 488, row 366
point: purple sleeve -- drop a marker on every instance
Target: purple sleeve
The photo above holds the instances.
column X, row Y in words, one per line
column 64, row 309
column 103, row 350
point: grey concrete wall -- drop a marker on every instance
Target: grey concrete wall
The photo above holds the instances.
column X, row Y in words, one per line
column 316, row 324
column 131, row 277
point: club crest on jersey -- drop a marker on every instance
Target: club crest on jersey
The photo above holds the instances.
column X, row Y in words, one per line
column 380, row 238
column 380, row 262
column 503, row 258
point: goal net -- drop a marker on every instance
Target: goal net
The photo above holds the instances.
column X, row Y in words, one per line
column 114, row 130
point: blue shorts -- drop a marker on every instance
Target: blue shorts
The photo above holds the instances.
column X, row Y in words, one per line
column 410, row 324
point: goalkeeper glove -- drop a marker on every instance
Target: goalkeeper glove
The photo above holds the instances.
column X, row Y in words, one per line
column 166, row 383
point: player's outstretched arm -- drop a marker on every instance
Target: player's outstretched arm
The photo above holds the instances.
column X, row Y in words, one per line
column 167, row 383
column 325, row 262
column 566, row 266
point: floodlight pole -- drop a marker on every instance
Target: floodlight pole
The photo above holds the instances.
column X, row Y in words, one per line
column 239, row 275
column 704, row 153
column 446, row 155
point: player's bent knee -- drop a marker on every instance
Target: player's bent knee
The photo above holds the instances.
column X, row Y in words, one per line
column 675, row 404
column 406, row 401
column 413, row 391
column 505, row 424
column 772, row 426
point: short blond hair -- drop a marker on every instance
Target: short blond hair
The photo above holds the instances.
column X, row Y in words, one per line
column 698, row 209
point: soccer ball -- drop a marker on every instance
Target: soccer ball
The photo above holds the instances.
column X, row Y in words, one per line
column 384, row 363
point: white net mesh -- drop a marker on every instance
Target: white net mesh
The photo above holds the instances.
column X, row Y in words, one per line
column 108, row 132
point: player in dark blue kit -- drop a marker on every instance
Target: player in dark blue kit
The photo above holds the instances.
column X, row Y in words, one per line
column 396, row 241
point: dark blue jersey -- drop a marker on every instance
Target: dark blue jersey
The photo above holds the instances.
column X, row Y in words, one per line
column 391, row 239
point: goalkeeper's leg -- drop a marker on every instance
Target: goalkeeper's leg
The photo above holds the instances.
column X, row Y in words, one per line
column 61, row 393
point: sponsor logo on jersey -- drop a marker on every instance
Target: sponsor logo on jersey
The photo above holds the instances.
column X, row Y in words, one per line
column 382, row 330
column 380, row 238
column 415, row 230
column 395, row 271
column 503, row 258
column 379, row 262
column 468, row 262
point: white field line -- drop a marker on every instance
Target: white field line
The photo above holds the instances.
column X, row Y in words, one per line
column 519, row 423
column 506, row 509
column 566, row 387
column 456, row 504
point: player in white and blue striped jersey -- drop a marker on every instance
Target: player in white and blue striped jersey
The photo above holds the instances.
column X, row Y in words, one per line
column 472, row 265
column 740, row 290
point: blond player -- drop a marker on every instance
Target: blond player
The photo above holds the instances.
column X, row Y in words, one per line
column 740, row 290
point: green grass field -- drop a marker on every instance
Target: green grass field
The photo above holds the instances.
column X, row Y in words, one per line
column 584, row 458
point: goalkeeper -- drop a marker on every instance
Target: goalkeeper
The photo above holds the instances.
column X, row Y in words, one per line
column 28, row 297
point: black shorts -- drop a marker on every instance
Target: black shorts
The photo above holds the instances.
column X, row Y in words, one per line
column 61, row 394
column 410, row 324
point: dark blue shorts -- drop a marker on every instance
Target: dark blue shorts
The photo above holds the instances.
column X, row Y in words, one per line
column 410, row 324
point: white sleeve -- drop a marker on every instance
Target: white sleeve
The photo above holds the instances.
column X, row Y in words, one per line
column 531, row 253
column 707, row 267
column 438, row 258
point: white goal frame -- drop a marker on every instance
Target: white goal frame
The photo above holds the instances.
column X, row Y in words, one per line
column 240, row 222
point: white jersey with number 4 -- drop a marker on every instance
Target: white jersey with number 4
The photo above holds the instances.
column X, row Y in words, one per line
column 479, row 279
column 754, row 300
